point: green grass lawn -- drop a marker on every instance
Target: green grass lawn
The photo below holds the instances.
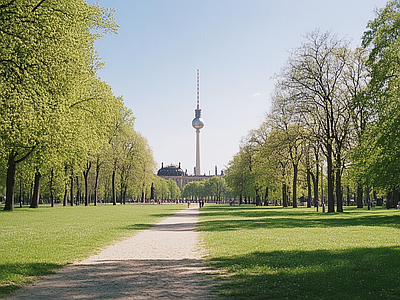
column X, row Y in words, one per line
column 286, row 253
column 36, row 242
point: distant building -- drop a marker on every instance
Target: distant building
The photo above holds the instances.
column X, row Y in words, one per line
column 181, row 177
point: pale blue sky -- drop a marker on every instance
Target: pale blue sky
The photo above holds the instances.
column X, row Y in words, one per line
column 238, row 45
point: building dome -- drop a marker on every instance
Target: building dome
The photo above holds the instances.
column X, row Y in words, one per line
column 198, row 123
column 171, row 170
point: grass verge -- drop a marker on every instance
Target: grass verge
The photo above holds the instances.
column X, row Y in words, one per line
column 36, row 242
column 285, row 253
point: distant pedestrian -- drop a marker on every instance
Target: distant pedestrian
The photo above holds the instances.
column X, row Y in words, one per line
column 188, row 204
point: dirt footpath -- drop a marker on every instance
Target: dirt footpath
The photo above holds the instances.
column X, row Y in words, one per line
column 163, row 262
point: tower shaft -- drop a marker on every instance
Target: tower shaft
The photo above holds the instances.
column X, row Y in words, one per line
column 198, row 171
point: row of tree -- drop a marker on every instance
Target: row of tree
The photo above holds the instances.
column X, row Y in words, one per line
column 213, row 189
column 333, row 123
column 60, row 124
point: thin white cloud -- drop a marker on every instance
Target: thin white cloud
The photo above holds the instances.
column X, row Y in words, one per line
column 256, row 95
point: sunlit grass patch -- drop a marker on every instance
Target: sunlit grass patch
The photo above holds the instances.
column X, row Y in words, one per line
column 278, row 253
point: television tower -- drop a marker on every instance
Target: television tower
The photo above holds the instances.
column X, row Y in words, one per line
column 198, row 124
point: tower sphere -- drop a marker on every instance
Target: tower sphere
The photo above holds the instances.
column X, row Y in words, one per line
column 198, row 123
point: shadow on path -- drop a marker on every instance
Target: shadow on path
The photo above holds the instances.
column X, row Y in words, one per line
column 128, row 279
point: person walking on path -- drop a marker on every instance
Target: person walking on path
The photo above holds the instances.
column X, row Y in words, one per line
column 162, row 262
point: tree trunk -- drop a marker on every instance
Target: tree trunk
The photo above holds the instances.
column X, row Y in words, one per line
column 359, row 197
column 20, row 192
column 72, row 189
column 36, row 191
column 114, row 194
column 308, row 188
column 86, row 175
column 10, row 181
column 31, row 192
column 315, row 186
column 316, row 179
column 284, row 198
column 374, row 196
column 125, row 188
column 331, row 199
column 121, row 194
column 295, row 172
column 52, row 187
column 339, row 194
column 316, row 194
column 367, row 198
column 396, row 196
column 287, row 197
column 65, row 194
column 266, row 196
column 78, row 192
column 96, row 182
column 258, row 199
column 144, row 195
column 322, row 190
column 348, row 196
column 392, row 199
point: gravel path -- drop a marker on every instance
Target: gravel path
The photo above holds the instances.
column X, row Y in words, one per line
column 163, row 262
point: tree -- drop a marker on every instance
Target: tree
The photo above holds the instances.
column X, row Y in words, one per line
column 173, row 189
column 190, row 190
column 161, row 187
column 46, row 52
column 318, row 77
column 287, row 122
column 376, row 159
column 238, row 174
column 215, row 187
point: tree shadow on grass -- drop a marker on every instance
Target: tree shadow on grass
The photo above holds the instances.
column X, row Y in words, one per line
column 137, row 227
column 166, row 215
column 358, row 273
column 232, row 218
column 13, row 276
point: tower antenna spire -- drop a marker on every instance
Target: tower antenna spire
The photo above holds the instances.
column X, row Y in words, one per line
column 198, row 88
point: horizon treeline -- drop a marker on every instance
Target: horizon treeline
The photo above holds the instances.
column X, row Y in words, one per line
column 332, row 132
